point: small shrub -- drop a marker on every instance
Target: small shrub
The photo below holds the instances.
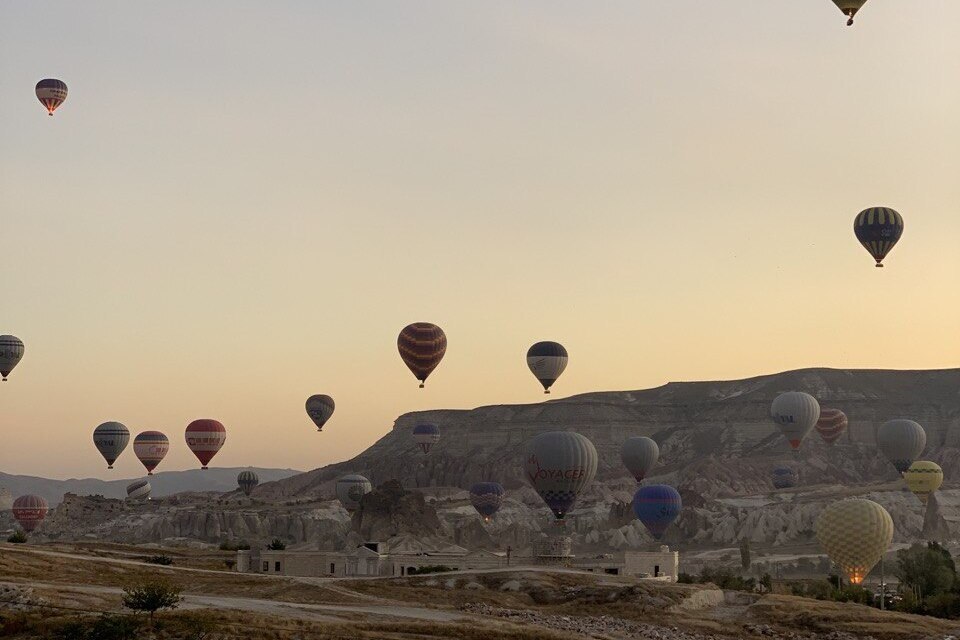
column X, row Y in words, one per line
column 114, row 627
column 197, row 626
column 17, row 537
column 434, row 568
column 71, row 630
column 161, row 560
column 686, row 578
column 277, row 545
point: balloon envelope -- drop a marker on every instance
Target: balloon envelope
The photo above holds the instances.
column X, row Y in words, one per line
column 150, row 447
column 110, row 439
column 547, row 360
column 422, row 346
column 559, row 464
column 923, row 478
column 11, row 352
column 29, row 511
column 855, row 533
column 51, row 93
column 901, row 442
column 831, row 425
column 247, row 480
column 320, row 407
column 204, row 438
column 796, row 413
column 784, row 478
column 426, row 434
column 487, row 498
column 639, row 454
column 878, row 229
column 657, row 506
column 351, row 489
column 139, row 490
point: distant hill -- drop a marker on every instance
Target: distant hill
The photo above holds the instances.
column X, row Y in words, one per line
column 163, row 483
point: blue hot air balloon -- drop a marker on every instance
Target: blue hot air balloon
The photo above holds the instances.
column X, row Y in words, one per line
column 486, row 498
column 657, row 506
column 784, row 478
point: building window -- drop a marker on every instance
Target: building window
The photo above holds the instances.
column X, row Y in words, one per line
column 613, row 571
column 333, row 568
column 266, row 566
column 276, row 566
column 656, row 571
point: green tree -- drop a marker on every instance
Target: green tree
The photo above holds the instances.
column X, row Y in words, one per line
column 277, row 545
column 766, row 582
column 745, row 554
column 17, row 537
column 926, row 570
column 151, row 596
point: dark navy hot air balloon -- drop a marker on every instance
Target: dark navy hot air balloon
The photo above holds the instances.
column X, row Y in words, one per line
column 547, row 360
column 784, row 478
column 51, row 93
column 486, row 498
column 657, row 506
column 426, row 434
column 247, row 481
column 320, row 408
column 421, row 347
column 878, row 229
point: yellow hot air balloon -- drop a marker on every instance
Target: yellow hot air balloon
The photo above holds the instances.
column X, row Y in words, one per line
column 855, row 533
column 923, row 478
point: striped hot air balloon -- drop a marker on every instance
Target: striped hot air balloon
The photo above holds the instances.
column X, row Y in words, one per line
column 878, row 229
column 559, row 465
column 855, row 533
column 831, row 425
column 902, row 442
column 150, row 447
column 426, row 434
column 639, row 454
column 205, row 437
column 51, row 93
column 247, row 481
column 110, row 439
column 30, row 511
column 139, row 490
column 487, row 498
column 350, row 489
column 421, row 347
column 320, row 407
column 657, row 506
column 11, row 352
column 923, row 478
column 547, row 360
column 796, row 413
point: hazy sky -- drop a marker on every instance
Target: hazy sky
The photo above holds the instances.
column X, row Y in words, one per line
column 242, row 203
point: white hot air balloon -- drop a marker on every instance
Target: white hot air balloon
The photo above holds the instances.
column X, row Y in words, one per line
column 796, row 413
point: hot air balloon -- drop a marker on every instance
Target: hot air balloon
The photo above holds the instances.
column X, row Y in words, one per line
column 878, row 229
column 849, row 8
column 351, row 489
column 11, row 351
column 139, row 490
column 150, row 447
column 51, row 93
column 784, row 478
column 639, row 455
column 559, row 464
column 320, row 407
column 426, row 434
column 795, row 413
column 657, row 506
column 247, row 480
column 831, row 425
column 110, row 439
column 30, row 511
column 855, row 533
column 923, row 478
column 422, row 346
column 204, row 438
column 486, row 498
column 547, row 360
column 902, row 442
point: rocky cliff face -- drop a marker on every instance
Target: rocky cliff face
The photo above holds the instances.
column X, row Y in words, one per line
column 718, row 448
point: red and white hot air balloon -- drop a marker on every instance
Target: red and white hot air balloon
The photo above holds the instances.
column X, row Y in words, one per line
column 150, row 447
column 204, row 438
column 831, row 425
column 30, row 511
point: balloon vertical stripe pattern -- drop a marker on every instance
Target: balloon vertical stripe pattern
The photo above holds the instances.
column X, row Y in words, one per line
column 150, row 447
column 796, row 413
column 546, row 361
column 350, row 490
column 559, row 465
column 422, row 346
column 110, row 439
column 855, row 533
column 11, row 352
column 30, row 511
column 831, row 425
column 247, row 481
column 51, row 93
column 204, row 438
column 902, row 442
column 320, row 408
column 878, row 229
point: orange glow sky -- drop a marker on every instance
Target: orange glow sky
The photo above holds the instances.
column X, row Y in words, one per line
column 242, row 203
